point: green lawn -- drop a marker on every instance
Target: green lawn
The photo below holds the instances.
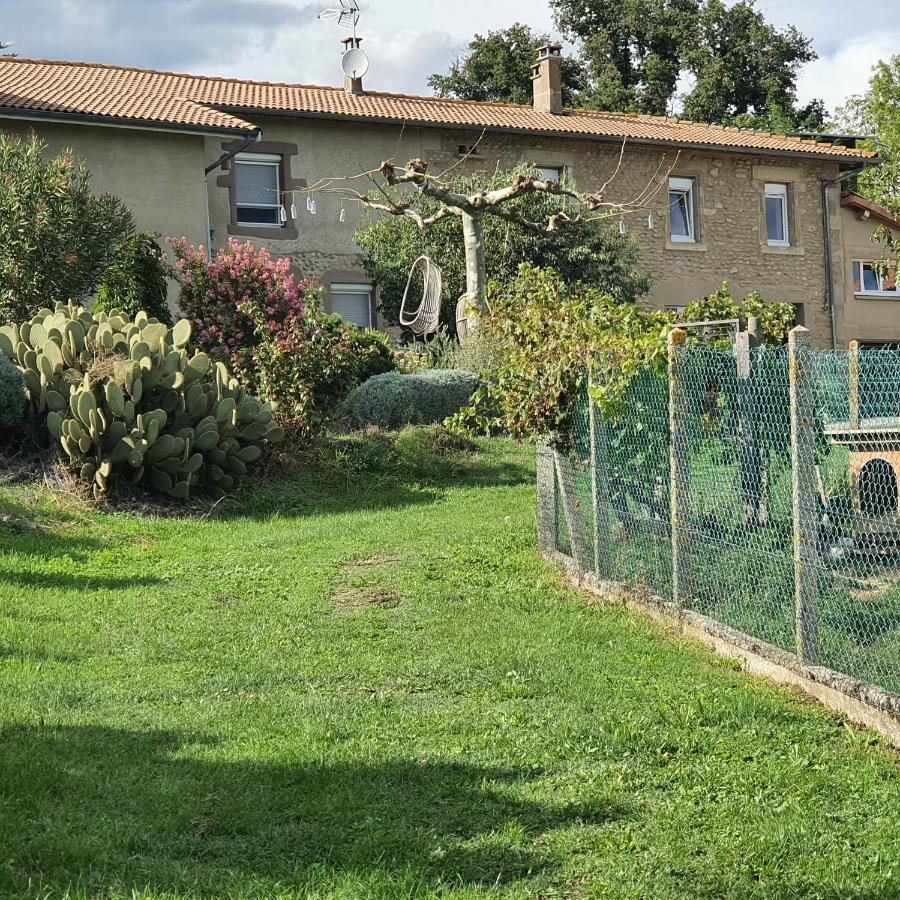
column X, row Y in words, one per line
column 373, row 687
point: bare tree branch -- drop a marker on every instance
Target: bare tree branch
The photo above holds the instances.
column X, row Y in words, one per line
column 472, row 208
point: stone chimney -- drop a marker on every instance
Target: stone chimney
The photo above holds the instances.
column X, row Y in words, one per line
column 546, row 79
column 352, row 84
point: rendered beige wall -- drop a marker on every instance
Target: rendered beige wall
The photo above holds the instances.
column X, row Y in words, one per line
column 731, row 245
column 159, row 175
column 874, row 319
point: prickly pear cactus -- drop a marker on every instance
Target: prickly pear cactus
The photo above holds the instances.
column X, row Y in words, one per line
column 127, row 398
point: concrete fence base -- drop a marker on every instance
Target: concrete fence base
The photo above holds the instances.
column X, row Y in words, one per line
column 862, row 703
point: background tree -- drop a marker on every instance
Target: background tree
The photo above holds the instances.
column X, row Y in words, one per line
column 630, row 56
column 877, row 112
column 744, row 66
column 497, row 67
column 594, row 253
column 56, row 238
column 632, row 50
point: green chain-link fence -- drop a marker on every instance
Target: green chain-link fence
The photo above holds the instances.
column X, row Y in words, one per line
column 780, row 471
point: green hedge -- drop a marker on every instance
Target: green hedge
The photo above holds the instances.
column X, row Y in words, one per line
column 137, row 280
column 393, row 400
column 12, row 394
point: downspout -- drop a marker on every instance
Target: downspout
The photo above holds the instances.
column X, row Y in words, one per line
column 255, row 137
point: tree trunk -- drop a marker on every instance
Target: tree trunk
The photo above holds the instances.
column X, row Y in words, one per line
column 476, row 268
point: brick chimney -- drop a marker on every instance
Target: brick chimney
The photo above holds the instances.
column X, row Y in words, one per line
column 546, row 79
column 352, row 85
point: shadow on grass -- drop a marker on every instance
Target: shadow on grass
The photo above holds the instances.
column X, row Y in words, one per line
column 101, row 809
column 34, row 535
column 377, row 471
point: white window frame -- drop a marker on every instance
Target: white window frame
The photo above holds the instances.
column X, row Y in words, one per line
column 881, row 292
column 684, row 186
column 340, row 287
column 544, row 172
column 775, row 191
column 260, row 159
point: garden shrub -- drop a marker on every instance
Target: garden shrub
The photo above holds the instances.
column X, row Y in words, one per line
column 238, row 300
column 776, row 318
column 126, row 398
column 137, row 280
column 13, row 401
column 246, row 307
column 310, row 369
column 536, row 341
column 427, row 397
column 56, row 238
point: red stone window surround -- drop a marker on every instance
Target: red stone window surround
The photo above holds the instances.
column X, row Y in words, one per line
column 288, row 231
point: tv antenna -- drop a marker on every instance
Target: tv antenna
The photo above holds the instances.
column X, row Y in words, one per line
column 354, row 62
column 347, row 16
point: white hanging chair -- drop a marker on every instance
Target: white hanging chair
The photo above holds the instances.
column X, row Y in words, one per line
column 426, row 318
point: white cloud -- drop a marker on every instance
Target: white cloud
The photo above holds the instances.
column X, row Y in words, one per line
column 846, row 71
column 282, row 40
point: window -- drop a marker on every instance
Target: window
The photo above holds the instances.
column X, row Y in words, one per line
column 777, row 227
column 353, row 303
column 550, row 173
column 678, row 310
column 874, row 279
column 681, row 210
column 258, row 182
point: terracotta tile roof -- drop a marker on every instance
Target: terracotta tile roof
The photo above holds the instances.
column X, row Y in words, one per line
column 856, row 201
column 148, row 97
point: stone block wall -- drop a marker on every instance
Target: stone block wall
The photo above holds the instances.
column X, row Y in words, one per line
column 730, row 245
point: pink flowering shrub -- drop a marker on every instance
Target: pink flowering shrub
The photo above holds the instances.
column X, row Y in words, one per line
column 239, row 299
column 248, row 311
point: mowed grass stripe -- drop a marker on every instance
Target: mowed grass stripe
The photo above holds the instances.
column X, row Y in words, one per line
column 373, row 687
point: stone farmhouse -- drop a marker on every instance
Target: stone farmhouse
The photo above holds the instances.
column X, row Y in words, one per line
column 209, row 158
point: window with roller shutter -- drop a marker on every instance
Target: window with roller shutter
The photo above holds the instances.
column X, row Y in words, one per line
column 353, row 303
column 258, row 187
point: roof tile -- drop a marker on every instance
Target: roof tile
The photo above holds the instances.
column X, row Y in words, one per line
column 145, row 96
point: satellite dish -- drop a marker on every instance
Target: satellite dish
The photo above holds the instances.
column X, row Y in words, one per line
column 355, row 63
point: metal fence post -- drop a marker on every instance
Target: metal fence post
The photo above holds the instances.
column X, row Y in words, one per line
column 546, row 499
column 679, row 472
column 751, row 464
column 599, row 489
column 804, row 498
column 571, row 506
column 853, row 379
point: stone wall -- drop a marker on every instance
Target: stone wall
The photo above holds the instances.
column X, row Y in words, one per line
column 731, row 241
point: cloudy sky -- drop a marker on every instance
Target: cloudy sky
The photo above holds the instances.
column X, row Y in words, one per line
column 282, row 40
